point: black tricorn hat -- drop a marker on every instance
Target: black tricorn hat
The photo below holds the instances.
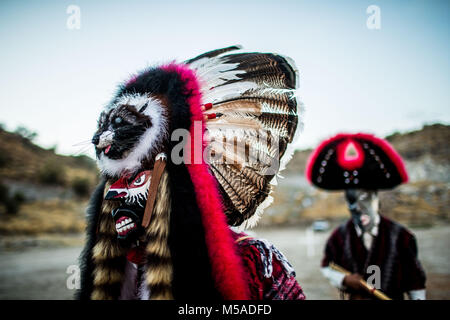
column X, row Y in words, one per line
column 355, row 161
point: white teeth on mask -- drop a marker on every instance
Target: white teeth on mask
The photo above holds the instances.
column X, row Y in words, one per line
column 125, row 225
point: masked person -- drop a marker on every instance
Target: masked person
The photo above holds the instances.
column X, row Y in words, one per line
column 174, row 181
column 369, row 245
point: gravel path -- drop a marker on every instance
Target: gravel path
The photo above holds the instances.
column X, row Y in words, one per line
column 37, row 273
column 304, row 250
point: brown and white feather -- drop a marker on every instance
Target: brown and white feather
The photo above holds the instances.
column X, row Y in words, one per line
column 253, row 119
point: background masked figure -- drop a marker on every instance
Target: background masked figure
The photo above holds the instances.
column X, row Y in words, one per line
column 369, row 245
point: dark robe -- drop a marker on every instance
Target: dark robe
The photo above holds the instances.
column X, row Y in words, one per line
column 394, row 251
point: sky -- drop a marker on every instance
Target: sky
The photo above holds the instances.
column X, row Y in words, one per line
column 55, row 80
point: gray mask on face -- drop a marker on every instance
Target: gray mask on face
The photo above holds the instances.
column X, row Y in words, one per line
column 363, row 206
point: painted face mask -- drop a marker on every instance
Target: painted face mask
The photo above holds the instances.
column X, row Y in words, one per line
column 363, row 206
column 133, row 195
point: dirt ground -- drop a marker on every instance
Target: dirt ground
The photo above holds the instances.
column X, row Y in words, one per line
column 304, row 250
column 41, row 272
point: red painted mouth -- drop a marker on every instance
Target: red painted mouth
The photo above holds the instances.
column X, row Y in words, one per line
column 107, row 149
column 125, row 225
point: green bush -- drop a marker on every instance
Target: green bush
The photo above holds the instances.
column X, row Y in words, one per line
column 19, row 197
column 11, row 204
column 4, row 158
column 81, row 187
column 12, row 207
column 26, row 133
column 52, row 174
column 4, row 193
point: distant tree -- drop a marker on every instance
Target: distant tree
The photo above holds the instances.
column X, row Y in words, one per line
column 11, row 204
column 81, row 187
column 52, row 173
column 4, row 158
column 26, row 133
column 4, row 193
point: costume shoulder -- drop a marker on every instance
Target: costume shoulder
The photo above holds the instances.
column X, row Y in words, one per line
column 335, row 244
column 267, row 252
column 272, row 274
column 414, row 277
column 405, row 235
column 338, row 234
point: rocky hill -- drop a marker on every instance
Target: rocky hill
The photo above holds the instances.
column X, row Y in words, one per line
column 425, row 200
column 41, row 191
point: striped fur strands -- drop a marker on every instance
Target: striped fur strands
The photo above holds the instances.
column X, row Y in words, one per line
column 108, row 255
column 159, row 273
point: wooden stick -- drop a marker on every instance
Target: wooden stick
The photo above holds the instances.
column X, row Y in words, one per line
column 377, row 293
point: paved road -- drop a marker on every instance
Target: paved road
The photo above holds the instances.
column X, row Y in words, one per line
column 41, row 273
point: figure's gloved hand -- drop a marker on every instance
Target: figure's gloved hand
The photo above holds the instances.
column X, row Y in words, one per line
column 353, row 281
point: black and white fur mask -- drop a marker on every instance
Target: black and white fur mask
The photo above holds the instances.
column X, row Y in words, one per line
column 131, row 130
column 363, row 206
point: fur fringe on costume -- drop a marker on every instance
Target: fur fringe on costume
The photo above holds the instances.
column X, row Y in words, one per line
column 107, row 254
column 158, row 276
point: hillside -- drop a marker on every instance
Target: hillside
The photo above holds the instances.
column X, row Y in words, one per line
column 21, row 160
column 42, row 192
column 52, row 190
column 423, row 201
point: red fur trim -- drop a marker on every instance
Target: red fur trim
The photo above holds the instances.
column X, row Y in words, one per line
column 227, row 266
column 383, row 144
